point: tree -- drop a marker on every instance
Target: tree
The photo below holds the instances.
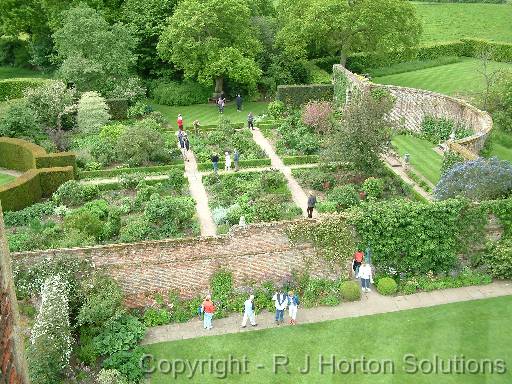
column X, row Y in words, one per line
column 499, row 101
column 340, row 27
column 212, row 40
column 361, row 136
column 94, row 55
column 92, row 112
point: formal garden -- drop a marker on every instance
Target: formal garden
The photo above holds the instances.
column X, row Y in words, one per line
column 90, row 95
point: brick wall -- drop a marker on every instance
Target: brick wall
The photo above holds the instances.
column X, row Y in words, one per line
column 12, row 359
column 254, row 253
column 412, row 105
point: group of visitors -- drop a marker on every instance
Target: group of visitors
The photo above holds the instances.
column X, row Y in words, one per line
column 362, row 269
column 183, row 142
column 227, row 161
column 221, row 102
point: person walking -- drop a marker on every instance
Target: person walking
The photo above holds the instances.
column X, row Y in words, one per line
column 280, row 300
column 186, row 144
column 293, row 305
column 236, row 158
column 366, row 276
column 221, row 102
column 208, row 310
column 239, row 103
column 180, row 122
column 249, row 313
column 196, row 125
column 227, row 162
column 311, row 204
column 250, row 121
column 356, row 262
column 215, row 163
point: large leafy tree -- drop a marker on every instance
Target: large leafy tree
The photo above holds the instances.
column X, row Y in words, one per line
column 341, row 27
column 212, row 40
column 94, row 55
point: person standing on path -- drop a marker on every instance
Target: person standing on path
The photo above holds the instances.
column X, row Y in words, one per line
column 280, row 300
column 356, row 262
column 239, row 103
column 366, row 276
column 220, row 102
column 187, row 146
column 215, row 163
column 293, row 305
column 236, row 158
column 311, row 204
column 227, row 161
column 249, row 313
column 250, row 121
column 208, row 310
column 180, row 122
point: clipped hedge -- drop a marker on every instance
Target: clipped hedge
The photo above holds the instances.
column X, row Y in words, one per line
column 52, row 178
column 21, row 192
column 297, row 95
column 60, row 159
column 118, row 108
column 184, row 93
column 305, row 159
column 107, row 173
column 19, row 154
column 14, row 88
column 242, row 164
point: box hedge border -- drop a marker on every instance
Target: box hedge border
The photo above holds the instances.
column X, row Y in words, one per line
column 254, row 163
column 297, row 160
column 108, row 173
column 14, row 88
column 297, row 95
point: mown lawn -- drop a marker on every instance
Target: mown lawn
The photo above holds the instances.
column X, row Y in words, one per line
column 476, row 329
column 424, row 159
column 452, row 79
column 448, row 22
column 5, row 178
column 208, row 113
column 501, row 145
column 11, row 72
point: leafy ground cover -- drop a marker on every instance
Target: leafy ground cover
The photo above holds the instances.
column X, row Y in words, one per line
column 258, row 196
column 208, row 114
column 423, row 158
column 448, row 22
column 80, row 215
column 4, row 178
column 7, row 72
column 476, row 329
column 452, row 79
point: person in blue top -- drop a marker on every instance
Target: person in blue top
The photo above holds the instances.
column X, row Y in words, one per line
column 293, row 305
column 236, row 158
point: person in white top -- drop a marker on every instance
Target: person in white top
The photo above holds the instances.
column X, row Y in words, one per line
column 366, row 276
column 227, row 159
column 281, row 301
column 293, row 305
column 249, row 312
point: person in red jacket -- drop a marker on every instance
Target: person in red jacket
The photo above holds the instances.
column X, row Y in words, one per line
column 208, row 310
column 356, row 262
column 180, row 122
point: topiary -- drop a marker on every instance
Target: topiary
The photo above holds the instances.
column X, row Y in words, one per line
column 350, row 291
column 387, row 286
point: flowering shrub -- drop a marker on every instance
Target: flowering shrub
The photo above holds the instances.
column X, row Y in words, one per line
column 276, row 109
column 92, row 112
column 50, row 341
column 72, row 193
column 318, row 115
column 477, row 180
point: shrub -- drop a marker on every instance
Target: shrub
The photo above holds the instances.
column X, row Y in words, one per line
column 373, row 187
column 118, row 108
column 168, row 215
column 84, row 221
column 131, row 180
column 121, row 333
column 72, row 193
column 344, row 196
column 136, row 229
column 318, row 115
column 33, row 212
column 271, row 180
column 350, row 291
column 19, row 121
column 477, row 180
column 14, row 88
column 500, row 101
column 92, row 112
column 297, row 95
column 450, row 159
column 276, row 109
column 176, row 179
column 500, row 259
column 50, row 340
column 185, row 93
column 111, row 376
column 139, row 145
column 139, row 109
column 128, row 363
column 387, row 286
column 154, row 317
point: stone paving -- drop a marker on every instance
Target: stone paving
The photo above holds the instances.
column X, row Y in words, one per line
column 370, row 304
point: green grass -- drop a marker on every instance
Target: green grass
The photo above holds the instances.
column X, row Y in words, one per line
column 476, row 329
column 501, row 144
column 208, row 113
column 452, row 79
column 424, row 159
column 12, row 72
column 448, row 22
column 4, row 179
column 414, row 65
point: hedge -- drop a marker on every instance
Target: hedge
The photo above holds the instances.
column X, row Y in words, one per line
column 242, row 164
column 465, row 1
column 52, row 178
column 14, row 88
column 118, row 108
column 297, row 95
column 117, row 185
column 305, row 159
column 107, row 173
column 19, row 154
column 61, row 159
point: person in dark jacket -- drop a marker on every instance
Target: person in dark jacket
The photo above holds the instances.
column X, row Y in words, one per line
column 215, row 163
column 239, row 103
column 236, row 158
column 311, row 204
column 250, row 120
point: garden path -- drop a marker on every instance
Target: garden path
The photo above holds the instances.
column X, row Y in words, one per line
column 198, row 193
column 10, row 172
column 370, row 304
column 399, row 170
column 299, row 196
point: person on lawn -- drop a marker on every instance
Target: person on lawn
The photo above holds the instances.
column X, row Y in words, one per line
column 215, row 163
column 356, row 262
column 220, row 103
column 250, row 121
column 196, row 125
column 180, row 122
column 293, row 305
column 311, row 204
column 366, row 276
column 236, row 158
column 208, row 310
column 227, row 160
column 238, row 103
column 249, row 313
column 281, row 301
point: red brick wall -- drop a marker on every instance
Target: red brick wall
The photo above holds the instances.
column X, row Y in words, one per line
column 254, row 253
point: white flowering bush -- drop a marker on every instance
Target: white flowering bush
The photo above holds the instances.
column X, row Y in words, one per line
column 61, row 210
column 219, row 215
column 93, row 112
column 111, row 376
column 50, row 340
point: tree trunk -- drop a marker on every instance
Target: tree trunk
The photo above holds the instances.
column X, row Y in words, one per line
column 219, row 85
column 343, row 58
